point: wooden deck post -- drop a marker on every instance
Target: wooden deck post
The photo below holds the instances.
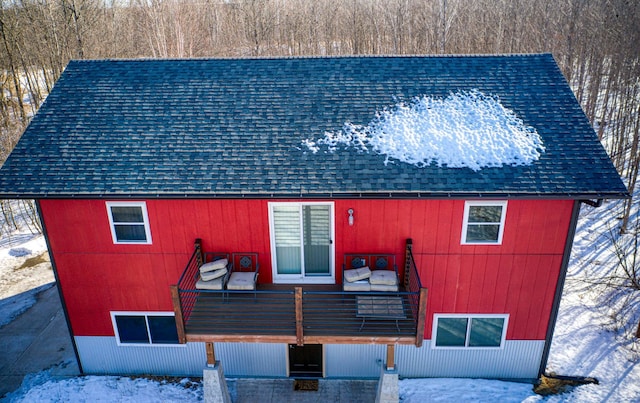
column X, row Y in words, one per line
column 177, row 310
column 422, row 316
column 211, row 354
column 391, row 357
column 299, row 330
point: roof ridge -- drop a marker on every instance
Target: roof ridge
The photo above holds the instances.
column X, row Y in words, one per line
column 311, row 57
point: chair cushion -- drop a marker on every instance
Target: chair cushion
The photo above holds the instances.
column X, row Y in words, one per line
column 360, row 286
column 215, row 265
column 357, row 274
column 242, row 281
column 210, row 285
column 384, row 287
column 212, row 275
column 383, row 277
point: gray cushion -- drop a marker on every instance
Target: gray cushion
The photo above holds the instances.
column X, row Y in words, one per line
column 215, row 265
column 384, row 287
column 383, row 277
column 357, row 274
column 242, row 281
column 212, row 275
column 210, row 285
column 360, row 286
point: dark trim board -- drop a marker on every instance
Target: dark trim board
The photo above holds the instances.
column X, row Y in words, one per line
column 60, row 294
column 573, row 224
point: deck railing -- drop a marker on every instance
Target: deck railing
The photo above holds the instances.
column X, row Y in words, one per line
column 300, row 314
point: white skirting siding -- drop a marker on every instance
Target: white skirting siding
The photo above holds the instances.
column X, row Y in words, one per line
column 519, row 359
column 101, row 355
column 252, row 359
column 354, row 360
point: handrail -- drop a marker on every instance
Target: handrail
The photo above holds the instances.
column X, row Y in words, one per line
column 188, row 281
column 414, row 278
column 419, row 293
column 300, row 315
column 188, row 272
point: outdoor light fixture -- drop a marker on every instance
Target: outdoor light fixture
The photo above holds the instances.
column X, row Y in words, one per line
column 350, row 211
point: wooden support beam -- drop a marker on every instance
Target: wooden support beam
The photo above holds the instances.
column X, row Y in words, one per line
column 240, row 338
column 422, row 316
column 211, row 354
column 299, row 330
column 391, row 356
column 245, row 338
column 404, row 340
column 177, row 310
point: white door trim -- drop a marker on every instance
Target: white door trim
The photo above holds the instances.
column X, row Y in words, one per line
column 301, row 278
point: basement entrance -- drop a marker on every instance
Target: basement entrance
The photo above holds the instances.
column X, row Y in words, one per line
column 305, row 361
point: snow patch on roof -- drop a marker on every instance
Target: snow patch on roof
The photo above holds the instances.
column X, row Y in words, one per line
column 465, row 129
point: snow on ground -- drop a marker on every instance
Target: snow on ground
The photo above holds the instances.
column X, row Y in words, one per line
column 584, row 343
column 465, row 390
column 24, row 270
column 107, row 389
column 466, row 129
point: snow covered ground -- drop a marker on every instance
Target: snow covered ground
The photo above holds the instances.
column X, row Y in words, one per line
column 24, row 268
column 584, row 344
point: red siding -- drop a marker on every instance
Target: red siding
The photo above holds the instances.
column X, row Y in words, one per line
column 517, row 277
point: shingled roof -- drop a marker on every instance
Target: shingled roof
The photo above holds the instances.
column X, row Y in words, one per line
column 235, row 127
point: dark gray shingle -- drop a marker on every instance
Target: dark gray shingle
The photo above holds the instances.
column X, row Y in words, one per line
column 224, row 127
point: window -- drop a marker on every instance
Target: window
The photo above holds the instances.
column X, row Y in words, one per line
column 483, row 222
column 129, row 222
column 471, row 331
column 302, row 242
column 134, row 328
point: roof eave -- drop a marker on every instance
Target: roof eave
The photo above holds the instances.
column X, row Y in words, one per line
column 322, row 195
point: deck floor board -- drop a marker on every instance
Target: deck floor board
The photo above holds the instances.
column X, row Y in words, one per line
column 271, row 311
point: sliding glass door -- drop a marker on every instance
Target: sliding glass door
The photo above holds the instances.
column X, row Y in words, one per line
column 302, row 242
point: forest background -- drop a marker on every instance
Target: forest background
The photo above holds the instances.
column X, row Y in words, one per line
column 595, row 42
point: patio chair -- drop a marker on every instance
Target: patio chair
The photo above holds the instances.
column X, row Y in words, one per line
column 370, row 272
column 214, row 271
column 244, row 272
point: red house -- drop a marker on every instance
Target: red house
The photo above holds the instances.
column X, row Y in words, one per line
column 147, row 173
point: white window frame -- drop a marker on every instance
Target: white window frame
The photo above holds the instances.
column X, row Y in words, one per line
column 146, row 315
column 301, row 278
column 465, row 221
column 438, row 316
column 145, row 223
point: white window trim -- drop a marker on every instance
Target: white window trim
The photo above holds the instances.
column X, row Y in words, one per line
column 437, row 316
column 465, row 221
column 146, row 315
column 295, row 278
column 145, row 218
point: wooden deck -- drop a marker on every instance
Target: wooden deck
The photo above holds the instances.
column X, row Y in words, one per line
column 327, row 315
column 299, row 314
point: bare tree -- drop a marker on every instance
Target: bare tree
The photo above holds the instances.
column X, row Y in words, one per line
column 596, row 42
